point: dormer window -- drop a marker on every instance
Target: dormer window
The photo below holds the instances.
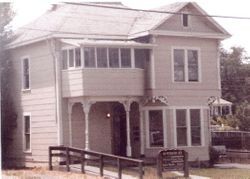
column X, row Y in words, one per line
column 185, row 20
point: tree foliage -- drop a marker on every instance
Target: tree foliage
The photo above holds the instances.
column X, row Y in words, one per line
column 236, row 85
column 8, row 114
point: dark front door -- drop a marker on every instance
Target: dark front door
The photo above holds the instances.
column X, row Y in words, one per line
column 119, row 130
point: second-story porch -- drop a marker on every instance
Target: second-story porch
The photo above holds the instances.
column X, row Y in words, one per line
column 106, row 68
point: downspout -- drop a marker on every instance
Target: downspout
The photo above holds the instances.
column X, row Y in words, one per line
column 53, row 47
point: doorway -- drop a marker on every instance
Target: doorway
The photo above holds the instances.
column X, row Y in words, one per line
column 119, row 130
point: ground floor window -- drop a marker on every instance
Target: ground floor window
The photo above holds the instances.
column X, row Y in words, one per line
column 27, row 134
column 188, row 127
column 156, row 138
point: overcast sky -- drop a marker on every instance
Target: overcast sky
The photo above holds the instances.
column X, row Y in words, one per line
column 28, row 10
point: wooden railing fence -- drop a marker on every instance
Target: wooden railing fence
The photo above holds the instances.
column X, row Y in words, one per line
column 71, row 154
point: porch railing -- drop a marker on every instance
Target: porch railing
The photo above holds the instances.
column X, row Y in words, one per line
column 82, row 156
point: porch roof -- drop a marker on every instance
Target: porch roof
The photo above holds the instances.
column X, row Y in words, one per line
column 221, row 102
column 106, row 43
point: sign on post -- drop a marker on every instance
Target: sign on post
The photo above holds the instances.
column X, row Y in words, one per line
column 172, row 160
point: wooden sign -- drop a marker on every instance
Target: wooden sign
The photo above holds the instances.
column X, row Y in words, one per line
column 172, row 160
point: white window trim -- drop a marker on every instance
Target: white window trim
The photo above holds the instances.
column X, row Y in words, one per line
column 23, row 131
column 202, row 123
column 164, row 127
column 185, row 48
column 22, row 77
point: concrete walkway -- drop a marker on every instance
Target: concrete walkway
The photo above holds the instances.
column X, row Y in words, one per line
column 232, row 165
column 191, row 176
column 110, row 174
column 96, row 170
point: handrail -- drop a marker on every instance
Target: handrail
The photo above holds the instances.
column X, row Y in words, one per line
column 82, row 157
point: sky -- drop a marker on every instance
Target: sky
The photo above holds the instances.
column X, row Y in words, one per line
column 28, row 10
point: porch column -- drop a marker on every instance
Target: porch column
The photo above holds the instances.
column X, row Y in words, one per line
column 86, row 105
column 141, row 130
column 152, row 64
column 230, row 109
column 126, row 105
column 70, row 106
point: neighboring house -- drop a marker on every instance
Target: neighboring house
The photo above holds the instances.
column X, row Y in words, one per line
column 115, row 80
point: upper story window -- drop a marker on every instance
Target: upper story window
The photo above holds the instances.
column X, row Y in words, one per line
column 186, row 65
column 185, row 20
column 89, row 57
column 125, row 58
column 103, row 57
column 114, row 57
column 71, row 58
column 26, row 73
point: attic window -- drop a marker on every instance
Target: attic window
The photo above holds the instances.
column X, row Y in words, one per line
column 185, row 20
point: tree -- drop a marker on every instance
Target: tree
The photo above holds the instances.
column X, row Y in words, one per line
column 235, row 87
column 233, row 75
column 8, row 114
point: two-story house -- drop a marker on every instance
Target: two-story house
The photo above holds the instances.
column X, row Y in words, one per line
column 104, row 77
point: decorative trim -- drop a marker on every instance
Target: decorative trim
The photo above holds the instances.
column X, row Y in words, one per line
column 153, row 99
column 211, row 100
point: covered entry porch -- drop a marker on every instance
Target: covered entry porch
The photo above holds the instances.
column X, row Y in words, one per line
column 113, row 125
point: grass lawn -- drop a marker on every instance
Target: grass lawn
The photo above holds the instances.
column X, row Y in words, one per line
column 216, row 173
column 150, row 173
column 38, row 173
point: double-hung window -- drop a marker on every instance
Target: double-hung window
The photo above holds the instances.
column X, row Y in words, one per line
column 181, row 127
column 186, row 65
column 26, row 73
column 27, row 133
column 188, row 127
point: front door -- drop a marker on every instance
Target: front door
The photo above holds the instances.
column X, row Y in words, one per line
column 119, row 130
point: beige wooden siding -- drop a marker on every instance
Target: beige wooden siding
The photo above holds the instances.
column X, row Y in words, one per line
column 189, row 93
column 39, row 101
column 78, row 126
column 103, row 82
column 195, row 23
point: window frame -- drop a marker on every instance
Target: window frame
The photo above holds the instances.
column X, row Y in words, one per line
column 25, row 114
column 164, row 127
column 22, row 78
column 188, row 119
column 188, row 19
column 186, row 75
column 82, row 56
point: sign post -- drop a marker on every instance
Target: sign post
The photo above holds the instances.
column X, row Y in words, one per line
column 172, row 160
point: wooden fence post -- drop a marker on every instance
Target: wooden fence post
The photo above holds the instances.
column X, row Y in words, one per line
column 83, row 161
column 119, row 168
column 186, row 171
column 50, row 159
column 141, row 170
column 101, row 165
column 67, row 159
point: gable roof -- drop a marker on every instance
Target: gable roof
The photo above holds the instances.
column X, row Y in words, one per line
column 96, row 20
